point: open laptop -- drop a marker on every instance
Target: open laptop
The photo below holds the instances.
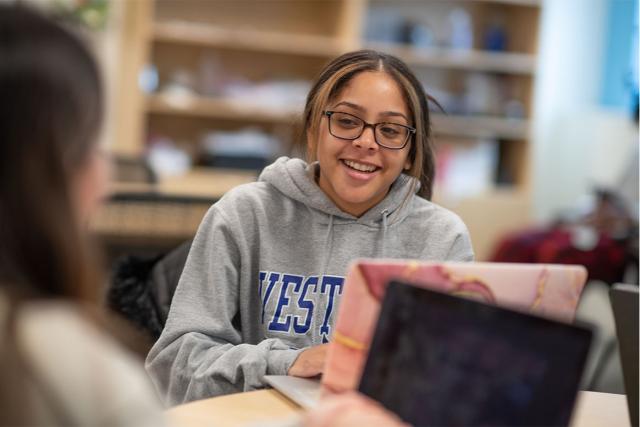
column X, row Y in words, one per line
column 303, row 391
column 547, row 290
column 437, row 359
column 624, row 302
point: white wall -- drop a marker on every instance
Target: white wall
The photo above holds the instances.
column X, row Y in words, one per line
column 576, row 142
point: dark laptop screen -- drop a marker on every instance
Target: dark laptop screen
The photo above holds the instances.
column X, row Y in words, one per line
column 624, row 300
column 441, row 360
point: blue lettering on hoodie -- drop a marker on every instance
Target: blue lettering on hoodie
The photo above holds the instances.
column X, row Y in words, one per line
column 330, row 285
column 304, row 303
column 273, row 278
column 295, row 300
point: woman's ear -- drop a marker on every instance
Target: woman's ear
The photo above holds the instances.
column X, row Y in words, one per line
column 407, row 164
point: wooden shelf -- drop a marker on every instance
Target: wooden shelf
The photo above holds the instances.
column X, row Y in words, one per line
column 299, row 44
column 245, row 38
column 218, row 109
column 466, row 126
column 475, row 60
column 168, row 211
column 199, row 182
column 532, row 3
column 481, row 127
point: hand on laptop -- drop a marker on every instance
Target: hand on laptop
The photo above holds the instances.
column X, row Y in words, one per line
column 350, row 409
column 310, row 362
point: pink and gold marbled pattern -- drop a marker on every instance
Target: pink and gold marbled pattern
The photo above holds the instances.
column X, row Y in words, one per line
column 542, row 289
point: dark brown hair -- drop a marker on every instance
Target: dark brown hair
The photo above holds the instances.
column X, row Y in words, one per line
column 50, row 114
column 340, row 71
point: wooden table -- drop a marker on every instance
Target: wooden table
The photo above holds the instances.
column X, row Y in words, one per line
column 592, row 410
column 234, row 410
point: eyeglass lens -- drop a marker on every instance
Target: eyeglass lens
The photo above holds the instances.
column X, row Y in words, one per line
column 347, row 126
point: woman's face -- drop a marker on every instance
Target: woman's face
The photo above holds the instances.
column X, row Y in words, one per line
column 356, row 174
column 90, row 183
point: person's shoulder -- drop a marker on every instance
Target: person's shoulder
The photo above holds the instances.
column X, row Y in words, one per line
column 258, row 192
column 252, row 200
column 450, row 239
column 83, row 364
column 245, row 205
column 47, row 324
column 435, row 214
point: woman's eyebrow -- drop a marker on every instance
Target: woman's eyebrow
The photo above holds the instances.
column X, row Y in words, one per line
column 394, row 114
column 351, row 105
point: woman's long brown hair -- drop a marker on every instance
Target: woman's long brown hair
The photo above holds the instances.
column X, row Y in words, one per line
column 50, row 113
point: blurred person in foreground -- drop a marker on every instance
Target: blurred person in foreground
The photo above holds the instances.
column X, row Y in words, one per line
column 58, row 364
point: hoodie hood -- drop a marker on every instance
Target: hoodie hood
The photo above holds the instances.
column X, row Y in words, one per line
column 295, row 179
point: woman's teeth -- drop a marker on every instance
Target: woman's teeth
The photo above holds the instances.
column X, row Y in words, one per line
column 359, row 166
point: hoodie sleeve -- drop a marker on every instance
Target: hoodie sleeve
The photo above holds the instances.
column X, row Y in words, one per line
column 461, row 249
column 201, row 353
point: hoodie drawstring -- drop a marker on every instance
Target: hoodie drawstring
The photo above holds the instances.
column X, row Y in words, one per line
column 385, row 215
column 328, row 243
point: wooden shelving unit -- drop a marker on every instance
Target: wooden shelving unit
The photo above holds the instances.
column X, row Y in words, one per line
column 291, row 39
column 533, row 3
column 223, row 109
column 210, row 36
column 481, row 127
column 159, row 216
column 216, row 108
column 200, row 182
column 214, row 36
column 473, row 60
column 180, row 24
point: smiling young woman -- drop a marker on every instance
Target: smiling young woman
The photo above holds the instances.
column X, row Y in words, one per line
column 357, row 172
column 259, row 291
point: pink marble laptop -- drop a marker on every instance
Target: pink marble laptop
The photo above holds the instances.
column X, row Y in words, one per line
column 541, row 289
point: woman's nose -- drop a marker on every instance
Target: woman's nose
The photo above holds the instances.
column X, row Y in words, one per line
column 367, row 139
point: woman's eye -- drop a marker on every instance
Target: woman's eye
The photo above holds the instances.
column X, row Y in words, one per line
column 389, row 131
column 347, row 122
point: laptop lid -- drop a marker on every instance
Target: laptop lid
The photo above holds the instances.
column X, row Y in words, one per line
column 624, row 302
column 542, row 289
column 438, row 359
column 303, row 391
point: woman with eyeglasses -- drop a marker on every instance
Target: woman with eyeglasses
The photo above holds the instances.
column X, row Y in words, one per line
column 261, row 286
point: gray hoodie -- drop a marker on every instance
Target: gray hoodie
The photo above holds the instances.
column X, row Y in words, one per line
column 265, row 273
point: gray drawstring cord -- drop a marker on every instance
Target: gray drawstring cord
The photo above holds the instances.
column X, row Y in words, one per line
column 385, row 214
column 328, row 243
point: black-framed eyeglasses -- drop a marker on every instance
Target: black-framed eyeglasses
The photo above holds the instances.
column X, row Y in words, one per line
column 393, row 136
